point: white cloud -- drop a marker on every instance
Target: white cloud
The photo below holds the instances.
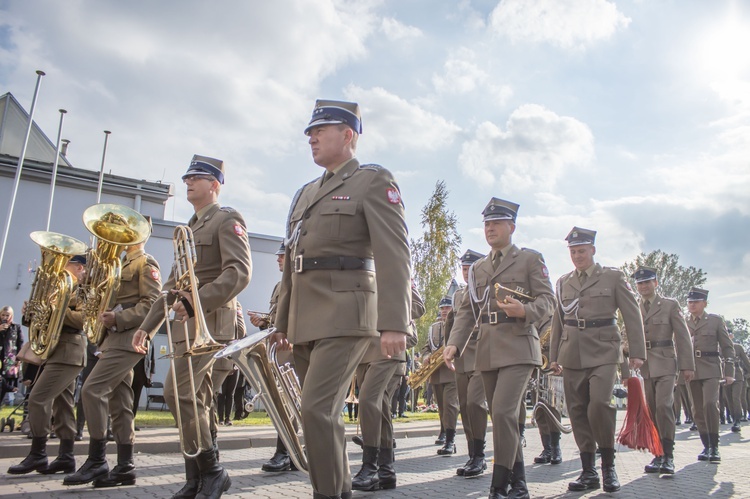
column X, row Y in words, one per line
column 461, row 75
column 397, row 31
column 532, row 153
column 563, row 23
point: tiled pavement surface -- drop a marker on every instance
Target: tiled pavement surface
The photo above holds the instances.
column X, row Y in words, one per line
column 421, row 473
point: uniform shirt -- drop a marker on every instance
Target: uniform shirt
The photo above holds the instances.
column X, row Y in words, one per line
column 465, row 362
column 223, row 270
column 741, row 360
column 709, row 332
column 664, row 321
column 356, row 213
column 436, row 339
column 605, row 291
column 506, row 343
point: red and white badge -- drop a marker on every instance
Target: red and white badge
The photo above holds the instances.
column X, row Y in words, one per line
column 394, row 197
column 545, row 271
column 155, row 274
column 239, row 230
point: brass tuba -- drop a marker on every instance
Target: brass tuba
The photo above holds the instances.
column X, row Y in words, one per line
column 277, row 387
column 115, row 227
column 51, row 291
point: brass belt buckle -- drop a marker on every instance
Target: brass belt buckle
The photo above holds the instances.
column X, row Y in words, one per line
column 698, row 354
column 493, row 318
column 581, row 323
column 298, row 266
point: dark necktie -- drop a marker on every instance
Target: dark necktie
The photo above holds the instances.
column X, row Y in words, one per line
column 647, row 305
column 496, row 259
column 582, row 278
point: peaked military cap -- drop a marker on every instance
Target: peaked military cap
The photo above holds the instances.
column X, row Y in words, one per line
column 445, row 301
column 470, row 257
column 643, row 274
column 79, row 259
column 333, row 112
column 203, row 165
column 697, row 294
column 282, row 249
column 578, row 236
column 500, row 209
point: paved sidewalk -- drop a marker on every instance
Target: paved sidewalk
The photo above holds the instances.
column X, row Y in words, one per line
column 421, row 473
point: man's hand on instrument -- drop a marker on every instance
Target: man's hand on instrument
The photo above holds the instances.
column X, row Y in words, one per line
column 180, row 312
column 392, row 343
column 448, row 355
column 512, row 307
column 688, row 375
column 256, row 321
column 635, row 363
column 557, row 369
column 140, row 341
column 108, row 319
column 280, row 339
column 729, row 380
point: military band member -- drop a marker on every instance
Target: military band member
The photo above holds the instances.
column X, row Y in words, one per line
column 280, row 461
column 549, row 430
column 508, row 343
column 377, row 383
column 737, row 390
column 223, row 270
column 52, row 395
column 471, row 398
column 341, row 227
column 443, row 382
column 586, row 343
column 669, row 354
column 711, row 343
column 107, row 390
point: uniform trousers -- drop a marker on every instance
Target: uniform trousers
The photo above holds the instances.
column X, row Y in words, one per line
column 660, row 399
column 683, row 400
column 325, row 369
column 139, row 381
column 471, row 402
column 202, row 368
column 505, row 389
column 746, row 399
column 705, row 394
column 52, row 396
column 447, row 401
column 735, row 392
column 588, row 394
column 376, row 389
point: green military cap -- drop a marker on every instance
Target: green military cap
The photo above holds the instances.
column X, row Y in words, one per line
column 500, row 209
column 643, row 274
column 333, row 112
column 697, row 294
column 470, row 257
column 445, row 301
column 578, row 236
column 282, row 249
column 203, row 165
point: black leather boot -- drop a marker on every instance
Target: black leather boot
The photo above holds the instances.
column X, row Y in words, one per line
column 667, row 463
column 386, row 471
column 518, row 487
column 35, row 461
column 556, row 451
column 589, row 478
column 546, row 456
column 713, row 448
column 123, row 473
column 367, row 476
column 450, row 444
column 95, row 466
column 357, row 439
column 703, row 456
column 441, row 437
column 736, row 426
column 280, row 460
column 477, row 464
column 655, row 465
column 470, row 444
column 610, row 482
column 500, row 482
column 65, row 461
column 214, row 478
column 192, row 485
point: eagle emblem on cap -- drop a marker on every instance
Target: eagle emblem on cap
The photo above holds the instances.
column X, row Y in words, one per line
column 574, row 234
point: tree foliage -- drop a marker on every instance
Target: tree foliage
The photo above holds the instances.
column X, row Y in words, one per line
column 435, row 255
column 741, row 330
column 674, row 280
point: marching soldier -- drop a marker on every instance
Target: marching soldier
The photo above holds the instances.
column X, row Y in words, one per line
column 443, row 382
column 549, row 430
column 737, row 390
column 280, row 460
column 223, row 270
column 670, row 352
column 341, row 227
column 508, row 343
column 471, row 399
column 586, row 342
column 711, row 343
column 107, row 390
column 52, row 395
column 377, row 383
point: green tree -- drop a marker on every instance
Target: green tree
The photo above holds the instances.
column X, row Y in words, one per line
column 741, row 330
column 435, row 255
column 674, row 280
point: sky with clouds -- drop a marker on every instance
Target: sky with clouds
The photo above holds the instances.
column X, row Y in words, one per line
column 628, row 117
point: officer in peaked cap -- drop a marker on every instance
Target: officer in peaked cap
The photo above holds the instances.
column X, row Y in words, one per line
column 586, row 342
column 508, row 343
column 223, row 269
column 670, row 352
column 340, row 227
column 711, row 343
column 471, row 398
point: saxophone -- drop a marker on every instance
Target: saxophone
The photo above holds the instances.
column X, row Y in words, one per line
column 427, row 369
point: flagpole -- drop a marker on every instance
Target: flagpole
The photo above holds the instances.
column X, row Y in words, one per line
column 54, row 168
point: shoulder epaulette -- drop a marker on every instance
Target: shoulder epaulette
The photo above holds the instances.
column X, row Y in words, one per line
column 227, row 209
column 371, row 166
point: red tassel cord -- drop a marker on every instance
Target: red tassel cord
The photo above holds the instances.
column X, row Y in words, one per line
column 638, row 430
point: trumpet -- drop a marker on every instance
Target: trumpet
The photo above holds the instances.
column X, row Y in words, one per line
column 264, row 316
column 519, row 294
